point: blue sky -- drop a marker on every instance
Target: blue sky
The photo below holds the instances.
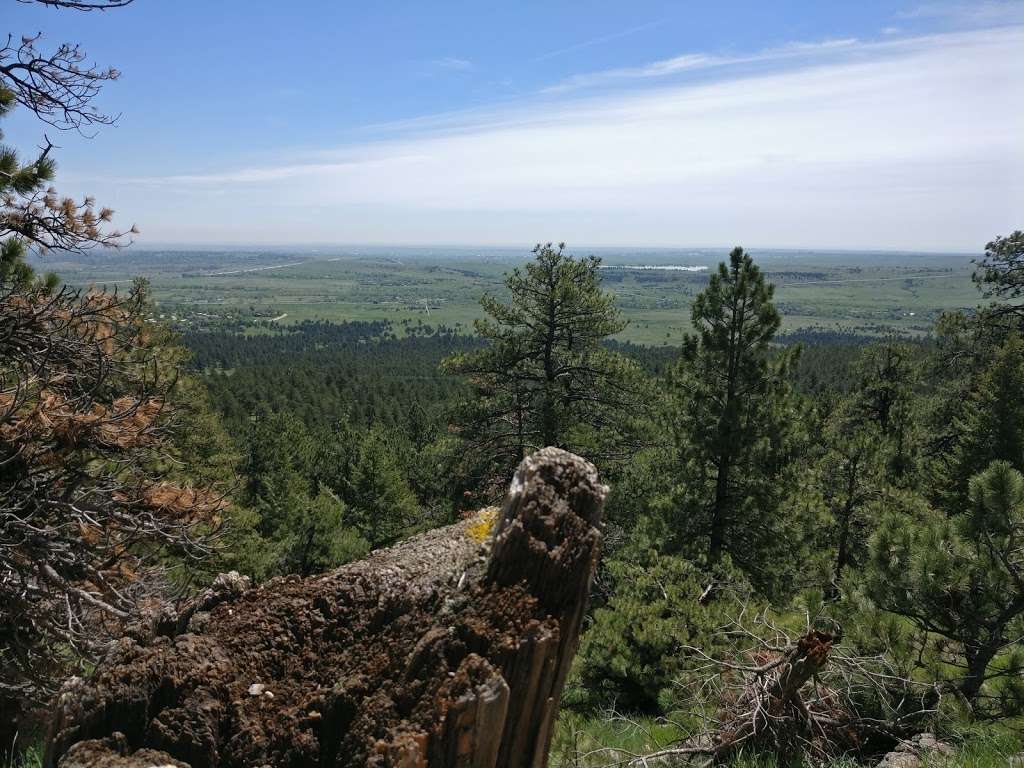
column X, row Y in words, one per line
column 787, row 124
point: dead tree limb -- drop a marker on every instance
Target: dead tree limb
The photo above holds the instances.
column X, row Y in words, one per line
column 795, row 698
column 443, row 650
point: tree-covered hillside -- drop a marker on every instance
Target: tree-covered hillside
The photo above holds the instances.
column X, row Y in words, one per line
column 761, row 482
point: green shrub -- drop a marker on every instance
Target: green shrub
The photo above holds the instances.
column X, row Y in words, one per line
column 636, row 648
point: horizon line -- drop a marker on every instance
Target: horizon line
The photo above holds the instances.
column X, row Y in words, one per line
column 242, row 245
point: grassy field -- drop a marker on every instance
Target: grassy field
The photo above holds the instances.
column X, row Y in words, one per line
column 600, row 742
column 585, row 743
column 862, row 292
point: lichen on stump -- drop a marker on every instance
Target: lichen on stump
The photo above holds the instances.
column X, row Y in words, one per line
column 440, row 651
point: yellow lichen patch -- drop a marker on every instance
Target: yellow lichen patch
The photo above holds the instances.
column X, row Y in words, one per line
column 483, row 523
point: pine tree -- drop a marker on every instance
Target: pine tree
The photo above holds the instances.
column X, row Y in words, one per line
column 887, row 377
column 90, row 503
column 301, row 526
column 631, row 656
column 848, row 476
column 18, row 183
column 735, row 419
column 545, row 377
column 1000, row 274
column 977, row 415
column 960, row 577
column 990, row 426
column 317, row 536
column 32, row 214
column 382, row 506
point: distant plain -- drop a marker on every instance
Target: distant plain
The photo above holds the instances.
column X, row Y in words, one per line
column 868, row 293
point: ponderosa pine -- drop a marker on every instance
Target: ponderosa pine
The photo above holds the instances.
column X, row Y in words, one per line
column 734, row 419
column 544, row 376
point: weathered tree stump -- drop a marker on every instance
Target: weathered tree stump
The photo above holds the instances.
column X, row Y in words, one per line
column 450, row 649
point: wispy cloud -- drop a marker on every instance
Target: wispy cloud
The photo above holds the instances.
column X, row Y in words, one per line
column 969, row 13
column 597, row 41
column 452, row 64
column 701, row 61
column 852, row 144
column 361, row 162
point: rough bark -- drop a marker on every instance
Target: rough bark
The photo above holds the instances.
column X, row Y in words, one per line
column 441, row 651
column 978, row 659
column 718, row 513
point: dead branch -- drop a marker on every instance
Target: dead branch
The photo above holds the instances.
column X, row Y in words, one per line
column 88, row 516
column 791, row 697
column 81, row 5
column 57, row 86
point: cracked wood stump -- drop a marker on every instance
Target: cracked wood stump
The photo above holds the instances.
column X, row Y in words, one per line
column 449, row 649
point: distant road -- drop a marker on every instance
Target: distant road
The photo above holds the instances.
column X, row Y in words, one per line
column 874, row 279
column 253, row 269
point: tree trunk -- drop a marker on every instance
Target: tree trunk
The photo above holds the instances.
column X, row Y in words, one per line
column 842, row 559
column 843, row 548
column 450, row 649
column 977, row 664
column 719, row 510
column 549, row 414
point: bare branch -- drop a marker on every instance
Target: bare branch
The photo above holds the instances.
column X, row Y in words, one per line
column 58, row 87
column 79, row 5
column 89, row 517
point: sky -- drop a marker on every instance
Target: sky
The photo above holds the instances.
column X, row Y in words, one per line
column 861, row 125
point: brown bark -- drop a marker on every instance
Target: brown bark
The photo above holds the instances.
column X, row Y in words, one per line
column 440, row 651
column 719, row 511
column 845, row 521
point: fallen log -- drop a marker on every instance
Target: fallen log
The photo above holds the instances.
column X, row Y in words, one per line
column 450, row 649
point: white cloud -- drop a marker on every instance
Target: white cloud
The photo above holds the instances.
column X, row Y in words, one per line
column 452, row 64
column 597, row 41
column 969, row 13
column 272, row 173
column 908, row 143
column 792, row 54
column 699, row 61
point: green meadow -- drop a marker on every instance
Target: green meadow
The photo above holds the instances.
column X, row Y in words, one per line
column 858, row 292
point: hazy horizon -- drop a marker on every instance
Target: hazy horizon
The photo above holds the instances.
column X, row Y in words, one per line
column 525, row 248
column 887, row 125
